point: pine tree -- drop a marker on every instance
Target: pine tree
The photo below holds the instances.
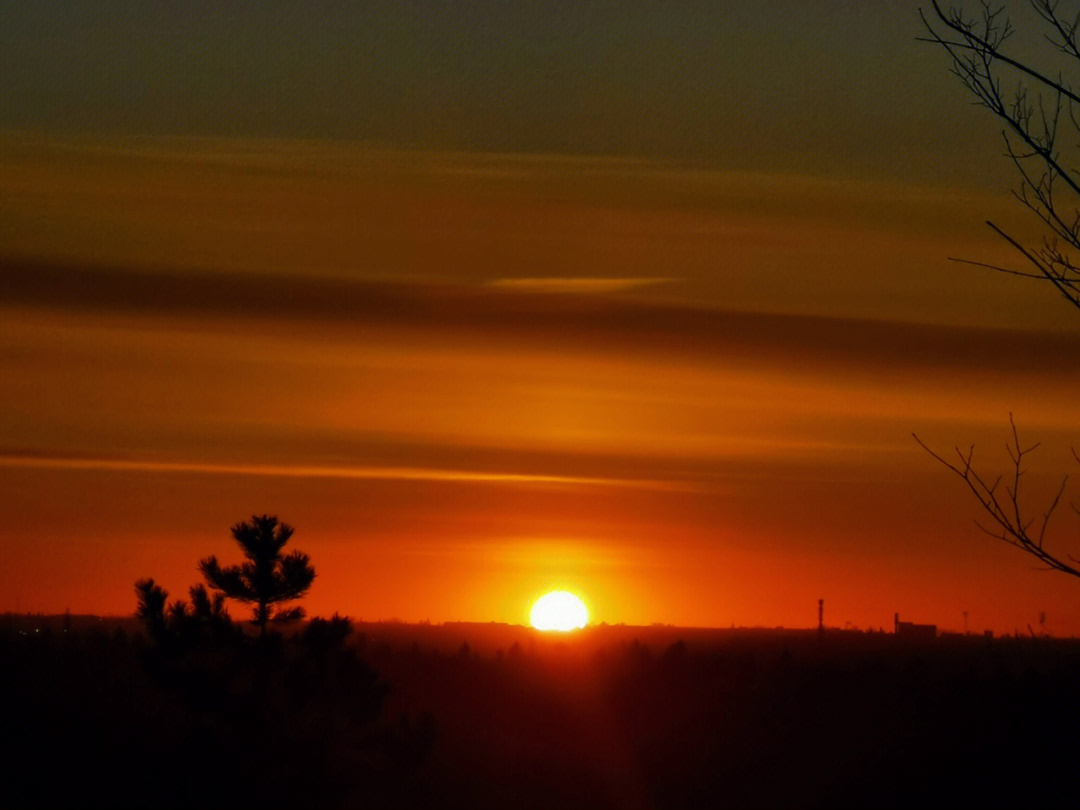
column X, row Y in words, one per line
column 268, row 578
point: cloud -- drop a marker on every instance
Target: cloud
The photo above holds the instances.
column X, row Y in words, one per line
column 546, row 313
column 88, row 463
column 577, row 285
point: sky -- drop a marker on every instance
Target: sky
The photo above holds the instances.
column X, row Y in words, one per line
column 637, row 300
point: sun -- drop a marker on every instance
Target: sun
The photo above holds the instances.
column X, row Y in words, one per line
column 559, row 610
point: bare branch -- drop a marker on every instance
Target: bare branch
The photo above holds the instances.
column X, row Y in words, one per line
column 1037, row 117
column 988, row 45
column 999, row 268
column 1008, row 521
column 1036, row 114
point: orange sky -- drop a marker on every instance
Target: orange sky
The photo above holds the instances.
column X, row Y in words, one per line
column 638, row 302
column 688, row 395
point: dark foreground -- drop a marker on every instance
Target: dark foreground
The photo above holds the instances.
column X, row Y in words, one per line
column 94, row 714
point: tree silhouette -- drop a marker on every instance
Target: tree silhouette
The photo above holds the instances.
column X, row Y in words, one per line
column 1033, row 97
column 1041, row 116
column 268, row 578
column 206, row 609
column 204, row 618
column 151, row 608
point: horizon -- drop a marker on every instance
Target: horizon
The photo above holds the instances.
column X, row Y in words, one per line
column 559, row 637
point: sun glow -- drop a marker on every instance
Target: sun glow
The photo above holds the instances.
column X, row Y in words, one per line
column 559, row 610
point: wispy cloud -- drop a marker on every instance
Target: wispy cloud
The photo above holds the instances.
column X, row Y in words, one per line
column 537, row 312
column 556, row 284
column 324, row 471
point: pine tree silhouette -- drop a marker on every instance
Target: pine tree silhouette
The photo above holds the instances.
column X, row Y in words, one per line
column 151, row 609
column 268, row 578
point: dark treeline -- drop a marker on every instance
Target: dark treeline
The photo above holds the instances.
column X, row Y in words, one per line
column 397, row 715
column 94, row 717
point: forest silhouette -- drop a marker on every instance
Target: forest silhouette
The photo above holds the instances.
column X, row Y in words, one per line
column 181, row 705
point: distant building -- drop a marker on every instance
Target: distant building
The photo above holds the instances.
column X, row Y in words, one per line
column 915, row 632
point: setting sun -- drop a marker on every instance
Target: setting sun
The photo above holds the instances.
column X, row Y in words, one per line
column 559, row 610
